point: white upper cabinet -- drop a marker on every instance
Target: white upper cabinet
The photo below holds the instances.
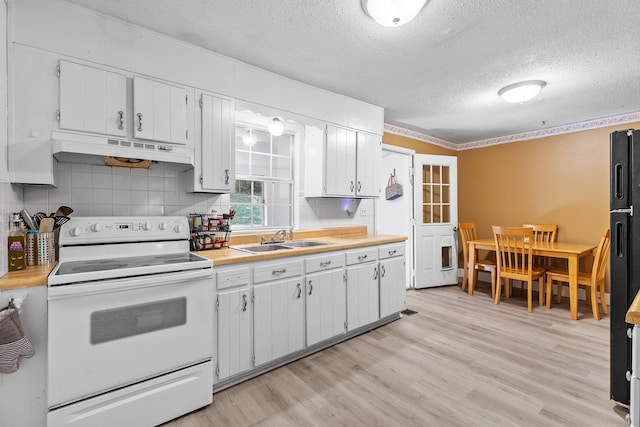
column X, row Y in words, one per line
column 92, row 100
column 346, row 161
column 160, row 111
column 215, row 154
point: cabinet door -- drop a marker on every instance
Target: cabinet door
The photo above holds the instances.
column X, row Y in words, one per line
column 143, row 108
column 369, row 160
column 160, row 111
column 362, row 295
column 234, row 333
column 340, row 157
column 92, row 100
column 217, row 159
column 326, row 305
column 278, row 319
column 392, row 286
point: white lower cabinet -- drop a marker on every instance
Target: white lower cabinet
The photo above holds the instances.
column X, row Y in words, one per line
column 278, row 311
column 362, row 287
column 233, row 323
column 326, row 305
column 392, row 279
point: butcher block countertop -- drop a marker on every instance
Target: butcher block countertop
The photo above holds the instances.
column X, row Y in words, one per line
column 339, row 238
column 633, row 314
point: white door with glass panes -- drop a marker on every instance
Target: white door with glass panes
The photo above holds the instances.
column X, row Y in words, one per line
column 436, row 217
column 263, row 195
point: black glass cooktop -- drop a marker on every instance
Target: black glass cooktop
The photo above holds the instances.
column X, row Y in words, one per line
column 90, row 266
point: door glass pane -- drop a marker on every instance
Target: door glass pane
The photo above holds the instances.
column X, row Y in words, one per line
column 445, row 194
column 436, row 214
column 426, row 193
column 436, row 174
column 436, row 194
column 426, row 214
column 445, row 175
column 426, row 174
column 446, row 213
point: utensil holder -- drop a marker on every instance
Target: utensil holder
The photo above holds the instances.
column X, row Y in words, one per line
column 46, row 248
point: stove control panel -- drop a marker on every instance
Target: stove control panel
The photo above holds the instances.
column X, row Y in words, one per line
column 87, row 230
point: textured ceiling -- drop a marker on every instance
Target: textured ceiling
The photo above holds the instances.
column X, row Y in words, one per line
column 439, row 74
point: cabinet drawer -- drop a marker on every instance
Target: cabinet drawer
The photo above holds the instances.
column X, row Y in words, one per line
column 388, row 251
column 232, row 277
column 277, row 271
column 324, row 262
column 362, row 255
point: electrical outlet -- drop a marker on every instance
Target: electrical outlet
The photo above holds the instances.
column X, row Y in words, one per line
column 363, row 211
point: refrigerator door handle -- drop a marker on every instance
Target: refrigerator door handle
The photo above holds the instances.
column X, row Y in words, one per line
column 629, row 211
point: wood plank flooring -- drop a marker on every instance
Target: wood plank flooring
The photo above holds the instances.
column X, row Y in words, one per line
column 459, row 361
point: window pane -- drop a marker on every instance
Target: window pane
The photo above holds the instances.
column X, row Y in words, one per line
column 278, row 216
column 263, row 144
column 282, row 145
column 258, row 215
column 258, row 193
column 241, row 132
column 278, row 193
column 281, row 167
column 242, row 163
column 260, row 165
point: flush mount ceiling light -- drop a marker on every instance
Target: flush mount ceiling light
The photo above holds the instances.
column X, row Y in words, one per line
column 392, row 13
column 521, row 91
column 276, row 127
column 249, row 139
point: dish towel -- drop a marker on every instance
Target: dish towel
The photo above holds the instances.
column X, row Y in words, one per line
column 13, row 343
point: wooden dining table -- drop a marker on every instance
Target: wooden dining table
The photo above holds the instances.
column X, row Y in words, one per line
column 572, row 252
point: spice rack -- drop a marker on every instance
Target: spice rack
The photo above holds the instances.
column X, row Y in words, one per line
column 209, row 231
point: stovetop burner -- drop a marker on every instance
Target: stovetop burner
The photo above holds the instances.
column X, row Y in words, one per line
column 93, row 266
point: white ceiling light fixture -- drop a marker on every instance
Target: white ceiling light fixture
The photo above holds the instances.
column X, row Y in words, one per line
column 249, row 139
column 522, row 91
column 276, row 127
column 393, row 13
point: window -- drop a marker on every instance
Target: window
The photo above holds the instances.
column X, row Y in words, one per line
column 264, row 179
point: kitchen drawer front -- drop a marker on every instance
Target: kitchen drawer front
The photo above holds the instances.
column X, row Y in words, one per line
column 393, row 250
column 362, row 256
column 229, row 278
column 279, row 270
column 324, row 262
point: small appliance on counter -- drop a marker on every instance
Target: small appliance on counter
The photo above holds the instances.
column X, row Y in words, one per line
column 210, row 231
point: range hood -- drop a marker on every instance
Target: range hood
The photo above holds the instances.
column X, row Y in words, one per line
column 79, row 148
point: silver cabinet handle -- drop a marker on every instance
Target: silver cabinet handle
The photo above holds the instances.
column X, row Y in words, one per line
column 310, row 287
column 280, row 271
column 244, row 302
column 362, row 257
column 375, row 273
column 382, row 271
column 324, row 264
column 121, row 120
column 299, row 291
column 351, row 186
column 359, row 186
column 139, row 122
column 226, row 176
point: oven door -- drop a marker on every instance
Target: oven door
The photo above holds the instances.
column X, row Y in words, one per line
column 108, row 334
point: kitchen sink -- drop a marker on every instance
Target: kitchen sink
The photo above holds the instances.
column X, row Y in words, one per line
column 305, row 243
column 262, row 248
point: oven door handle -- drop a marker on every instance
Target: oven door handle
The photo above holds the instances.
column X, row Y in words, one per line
column 127, row 283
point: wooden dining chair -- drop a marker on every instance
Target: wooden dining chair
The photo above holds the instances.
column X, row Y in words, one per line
column 468, row 232
column 515, row 260
column 593, row 279
column 543, row 233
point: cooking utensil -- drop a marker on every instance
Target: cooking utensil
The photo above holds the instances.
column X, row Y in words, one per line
column 64, row 211
column 59, row 220
column 46, row 225
column 37, row 217
column 28, row 219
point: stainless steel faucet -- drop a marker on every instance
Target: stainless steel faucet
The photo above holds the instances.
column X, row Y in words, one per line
column 275, row 235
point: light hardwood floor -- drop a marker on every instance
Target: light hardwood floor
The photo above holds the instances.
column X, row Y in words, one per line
column 459, row 361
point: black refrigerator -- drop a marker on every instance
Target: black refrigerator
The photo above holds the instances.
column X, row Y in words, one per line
column 625, row 253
